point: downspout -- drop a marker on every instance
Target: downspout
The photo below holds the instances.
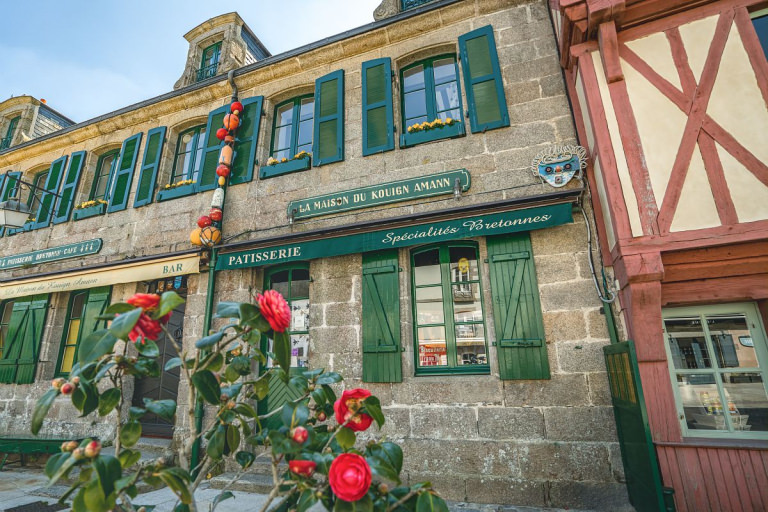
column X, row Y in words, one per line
column 199, row 406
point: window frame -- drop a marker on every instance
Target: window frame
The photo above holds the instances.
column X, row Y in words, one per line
column 758, row 333
column 10, row 132
column 455, row 130
column 760, row 14
column 41, row 175
column 64, row 335
column 295, row 125
column 197, row 140
column 289, row 298
column 209, row 70
column 448, row 319
column 97, row 177
column 3, row 305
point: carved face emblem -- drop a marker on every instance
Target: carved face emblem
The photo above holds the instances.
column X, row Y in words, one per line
column 558, row 165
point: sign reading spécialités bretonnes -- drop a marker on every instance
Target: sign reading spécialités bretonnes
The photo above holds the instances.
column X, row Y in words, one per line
column 53, row 254
column 494, row 224
column 383, row 193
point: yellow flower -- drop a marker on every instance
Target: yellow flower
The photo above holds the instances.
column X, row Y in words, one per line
column 284, row 160
column 448, row 120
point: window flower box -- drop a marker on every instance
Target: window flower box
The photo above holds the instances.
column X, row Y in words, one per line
column 89, row 211
column 294, row 165
column 174, row 192
column 436, row 133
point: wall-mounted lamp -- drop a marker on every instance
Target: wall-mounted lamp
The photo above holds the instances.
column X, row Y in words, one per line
column 292, row 215
column 457, row 189
column 14, row 213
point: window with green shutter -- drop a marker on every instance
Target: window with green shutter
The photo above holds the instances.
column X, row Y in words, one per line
column 106, row 168
column 188, row 158
column 246, row 140
column 381, row 317
column 520, row 343
column 292, row 132
column 6, row 141
column 48, row 194
column 378, row 121
column 9, row 187
column 21, row 329
column 69, row 185
column 38, row 186
column 482, row 78
column 82, row 319
column 211, row 149
column 329, row 118
column 210, row 61
column 145, row 190
column 449, row 324
column 121, row 185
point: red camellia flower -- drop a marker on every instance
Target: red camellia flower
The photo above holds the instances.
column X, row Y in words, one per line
column 349, row 476
column 302, row 467
column 275, row 310
column 145, row 328
column 347, row 407
column 145, row 301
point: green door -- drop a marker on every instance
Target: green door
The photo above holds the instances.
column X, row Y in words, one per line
column 292, row 281
column 637, row 451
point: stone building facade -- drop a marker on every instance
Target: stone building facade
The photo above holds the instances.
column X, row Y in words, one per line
column 490, row 406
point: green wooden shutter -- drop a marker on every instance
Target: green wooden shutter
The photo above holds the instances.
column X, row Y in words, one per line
column 145, row 190
column 378, row 121
column 520, row 343
column 208, row 179
column 121, row 183
column 98, row 300
column 381, row 317
column 69, row 188
column 328, row 144
column 47, row 198
column 245, row 142
column 482, row 76
column 10, row 181
column 22, row 344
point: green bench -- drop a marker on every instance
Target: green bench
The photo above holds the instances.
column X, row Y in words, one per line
column 27, row 446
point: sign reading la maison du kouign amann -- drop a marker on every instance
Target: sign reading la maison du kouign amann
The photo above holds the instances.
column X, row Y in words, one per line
column 62, row 252
column 383, row 193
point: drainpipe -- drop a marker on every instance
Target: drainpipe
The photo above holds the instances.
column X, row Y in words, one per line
column 199, row 407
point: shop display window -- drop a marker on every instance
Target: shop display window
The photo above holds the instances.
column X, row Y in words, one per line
column 293, row 284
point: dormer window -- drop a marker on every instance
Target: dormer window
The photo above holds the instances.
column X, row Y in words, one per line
column 5, row 142
column 210, row 62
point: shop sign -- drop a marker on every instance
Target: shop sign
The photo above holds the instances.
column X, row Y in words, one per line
column 384, row 193
column 62, row 252
column 493, row 224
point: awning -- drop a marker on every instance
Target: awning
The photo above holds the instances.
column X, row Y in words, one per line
column 128, row 272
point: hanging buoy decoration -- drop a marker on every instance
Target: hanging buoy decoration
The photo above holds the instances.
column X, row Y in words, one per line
column 231, row 122
column 222, row 170
column 236, row 107
column 204, row 221
column 210, row 236
column 217, row 201
column 194, row 236
column 221, row 133
column 222, row 181
column 215, row 214
column 229, row 139
column 225, row 157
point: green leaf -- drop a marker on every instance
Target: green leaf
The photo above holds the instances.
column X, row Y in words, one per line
column 124, row 324
column 217, row 442
column 364, row 504
column 177, row 485
column 135, row 413
column 428, row 502
column 241, row 364
column 245, row 459
column 148, row 348
column 128, row 458
column 346, row 438
column 109, row 470
column 59, row 468
column 108, row 401
column 130, row 433
column 391, row 452
column 119, row 308
column 282, row 349
column 103, row 371
column 166, row 409
column 214, row 361
column 94, row 498
column 245, row 410
column 373, row 408
column 168, row 302
column 233, row 439
column 95, row 345
column 383, row 468
column 219, row 498
column 41, row 409
column 228, row 310
column 172, row 363
column 207, row 385
column 261, row 388
column 294, row 415
column 209, row 341
column 55, row 462
column 328, row 378
column 250, row 316
column 306, row 500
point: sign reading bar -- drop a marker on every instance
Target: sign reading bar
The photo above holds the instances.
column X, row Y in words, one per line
column 493, row 224
column 384, row 193
column 53, row 254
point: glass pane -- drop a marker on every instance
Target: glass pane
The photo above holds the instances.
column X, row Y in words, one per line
column 283, row 137
column 413, row 79
column 446, row 96
column 7, row 312
column 427, row 267
column 186, row 144
column 74, row 327
column 432, row 350
column 415, row 105
column 284, row 153
column 182, row 165
column 279, row 282
column 466, row 303
column 701, row 402
column 429, row 305
column 687, row 344
column 284, row 115
column 300, row 315
column 747, row 401
column 305, row 132
column 77, row 305
column 307, row 109
column 444, row 70
column 463, row 264
column 68, row 359
column 299, row 350
column 300, row 283
column 761, row 27
column 453, row 114
column 200, row 138
column 732, row 341
column 470, row 344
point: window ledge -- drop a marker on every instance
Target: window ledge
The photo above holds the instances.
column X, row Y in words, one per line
column 295, row 165
column 15, row 231
column 172, row 193
column 721, row 442
column 91, row 211
column 433, row 134
column 474, row 370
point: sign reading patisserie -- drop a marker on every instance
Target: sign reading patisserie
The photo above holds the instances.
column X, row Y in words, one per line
column 383, row 193
column 53, row 254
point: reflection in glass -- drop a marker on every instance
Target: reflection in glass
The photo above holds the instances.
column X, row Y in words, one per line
column 687, row 343
column 470, row 344
column 432, row 347
column 300, row 283
column 413, row 79
column 444, row 70
column 466, row 303
column 429, row 305
column 702, row 405
column 724, row 331
column 747, row 401
column 415, row 107
column 427, row 267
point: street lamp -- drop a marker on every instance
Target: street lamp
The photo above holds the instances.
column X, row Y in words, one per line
column 14, row 213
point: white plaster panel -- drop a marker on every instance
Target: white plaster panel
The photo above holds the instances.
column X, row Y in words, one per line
column 696, row 208
column 697, row 37
column 582, row 97
column 618, row 149
column 604, row 203
column 750, row 196
column 656, row 51
column 736, row 102
column 660, row 124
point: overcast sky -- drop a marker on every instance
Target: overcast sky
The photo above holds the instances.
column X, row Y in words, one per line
column 87, row 58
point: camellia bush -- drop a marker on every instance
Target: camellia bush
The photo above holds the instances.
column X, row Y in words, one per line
column 315, row 456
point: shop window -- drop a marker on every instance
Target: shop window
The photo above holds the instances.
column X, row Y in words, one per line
column 210, row 62
column 6, row 141
column 448, row 315
column 760, row 22
column 293, row 284
column 188, row 157
column 717, row 360
column 21, row 329
column 82, row 320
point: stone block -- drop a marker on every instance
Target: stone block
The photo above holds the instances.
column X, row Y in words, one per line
column 521, row 92
column 596, row 324
column 567, row 238
column 543, row 66
column 561, row 389
column 413, row 27
column 461, row 457
column 457, row 12
column 564, row 325
column 397, row 425
column 487, row 489
column 566, row 131
column 365, row 42
column 449, row 487
column 518, row 52
column 552, row 85
column 331, row 290
column 581, row 356
column 543, row 109
column 590, row 495
column 599, row 389
column 381, row 390
column 576, row 462
column 580, row 423
column 568, row 296
column 521, row 136
column 510, row 423
column 349, row 365
column 335, row 340
column 476, row 389
column 617, row 466
column 342, row 313
column 555, row 268
column 444, row 423
column 520, row 158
